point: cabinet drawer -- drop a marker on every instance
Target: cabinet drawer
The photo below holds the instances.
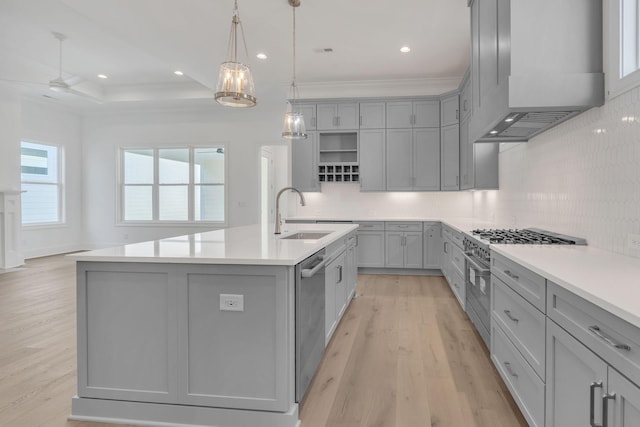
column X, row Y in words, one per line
column 597, row 329
column 371, row 226
column 454, row 235
column 522, row 323
column 529, row 285
column 403, row 226
column 457, row 259
column 525, row 386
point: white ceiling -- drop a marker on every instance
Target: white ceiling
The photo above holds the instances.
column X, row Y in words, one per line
column 139, row 43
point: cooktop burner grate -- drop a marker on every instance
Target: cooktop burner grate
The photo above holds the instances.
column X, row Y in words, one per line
column 526, row 236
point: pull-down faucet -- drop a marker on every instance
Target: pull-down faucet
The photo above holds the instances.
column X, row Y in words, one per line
column 278, row 219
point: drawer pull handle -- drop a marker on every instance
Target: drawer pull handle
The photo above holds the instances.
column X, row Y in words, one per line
column 508, row 313
column 507, row 365
column 592, row 399
column 510, row 274
column 605, row 408
column 606, row 338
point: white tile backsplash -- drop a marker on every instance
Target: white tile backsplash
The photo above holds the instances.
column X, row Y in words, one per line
column 346, row 201
column 580, row 178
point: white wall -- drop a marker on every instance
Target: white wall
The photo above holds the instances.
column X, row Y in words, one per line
column 581, row 178
column 243, row 130
column 49, row 124
column 9, row 140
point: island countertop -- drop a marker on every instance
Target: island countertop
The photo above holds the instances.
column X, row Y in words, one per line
column 248, row 245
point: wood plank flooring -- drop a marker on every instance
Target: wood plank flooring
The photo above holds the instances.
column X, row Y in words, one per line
column 404, row 355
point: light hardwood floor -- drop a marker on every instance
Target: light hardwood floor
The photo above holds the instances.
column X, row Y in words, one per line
column 404, row 355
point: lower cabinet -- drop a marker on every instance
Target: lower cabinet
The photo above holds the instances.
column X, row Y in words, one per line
column 335, row 293
column 403, row 249
column 576, row 379
column 370, row 252
column 432, row 244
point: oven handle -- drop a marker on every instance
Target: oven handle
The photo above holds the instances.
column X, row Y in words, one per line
column 482, row 271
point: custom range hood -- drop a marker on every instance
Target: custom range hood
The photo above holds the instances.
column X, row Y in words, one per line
column 535, row 64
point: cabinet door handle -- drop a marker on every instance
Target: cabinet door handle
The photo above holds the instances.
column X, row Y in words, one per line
column 609, row 340
column 513, row 319
column 510, row 274
column 445, row 248
column 339, row 273
column 592, row 399
column 457, row 114
column 457, row 180
column 507, row 365
column 605, row 407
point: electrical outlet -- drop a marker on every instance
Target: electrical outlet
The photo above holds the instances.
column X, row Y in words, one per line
column 633, row 242
column 230, row 302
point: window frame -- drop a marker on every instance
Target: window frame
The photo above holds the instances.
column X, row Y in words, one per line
column 155, row 208
column 60, row 185
column 618, row 85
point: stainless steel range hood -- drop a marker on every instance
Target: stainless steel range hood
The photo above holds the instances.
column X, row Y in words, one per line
column 540, row 65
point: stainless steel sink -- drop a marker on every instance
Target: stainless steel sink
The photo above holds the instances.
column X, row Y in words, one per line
column 309, row 235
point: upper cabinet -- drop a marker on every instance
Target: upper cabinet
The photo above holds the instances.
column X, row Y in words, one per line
column 525, row 81
column 465, row 98
column 308, row 112
column 449, row 110
column 304, row 163
column 372, row 115
column 338, row 116
column 413, row 114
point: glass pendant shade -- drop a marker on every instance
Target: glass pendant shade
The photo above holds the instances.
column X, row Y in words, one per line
column 235, row 85
column 235, row 81
column 294, row 127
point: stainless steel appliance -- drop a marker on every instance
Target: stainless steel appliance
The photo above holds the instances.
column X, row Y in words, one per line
column 477, row 255
column 310, row 305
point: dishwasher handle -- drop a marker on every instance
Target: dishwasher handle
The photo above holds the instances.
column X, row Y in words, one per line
column 310, row 272
column 475, row 266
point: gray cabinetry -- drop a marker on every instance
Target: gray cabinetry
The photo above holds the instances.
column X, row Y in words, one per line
column 623, row 401
column 372, row 160
column 408, row 114
column 432, row 245
column 337, row 116
column 372, row 115
column 304, row 163
column 412, row 159
column 403, row 244
column 465, row 98
column 450, row 158
column 308, row 112
column 371, row 246
column 155, row 333
column 571, row 370
column 478, row 162
column 449, row 110
column 451, row 259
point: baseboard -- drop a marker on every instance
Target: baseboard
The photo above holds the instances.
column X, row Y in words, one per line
column 400, row 271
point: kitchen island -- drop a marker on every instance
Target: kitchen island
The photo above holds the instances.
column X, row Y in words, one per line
column 193, row 330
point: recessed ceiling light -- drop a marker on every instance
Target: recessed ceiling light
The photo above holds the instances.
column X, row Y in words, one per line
column 493, row 132
column 103, row 76
column 405, row 49
column 178, row 73
column 261, row 55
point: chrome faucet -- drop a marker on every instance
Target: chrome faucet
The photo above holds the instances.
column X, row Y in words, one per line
column 278, row 219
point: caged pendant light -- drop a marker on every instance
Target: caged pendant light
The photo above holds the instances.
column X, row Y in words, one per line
column 235, row 81
column 294, row 127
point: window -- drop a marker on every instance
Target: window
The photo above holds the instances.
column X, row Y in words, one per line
column 41, row 173
column 624, row 46
column 173, row 184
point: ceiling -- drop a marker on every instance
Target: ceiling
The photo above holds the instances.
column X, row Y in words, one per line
column 138, row 44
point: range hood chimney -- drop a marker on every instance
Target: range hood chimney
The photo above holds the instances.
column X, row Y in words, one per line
column 539, row 65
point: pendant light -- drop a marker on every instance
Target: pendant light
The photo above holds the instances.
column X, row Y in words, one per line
column 294, row 127
column 235, row 82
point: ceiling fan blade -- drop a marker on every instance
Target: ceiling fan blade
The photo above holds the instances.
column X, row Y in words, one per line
column 22, row 82
column 84, row 95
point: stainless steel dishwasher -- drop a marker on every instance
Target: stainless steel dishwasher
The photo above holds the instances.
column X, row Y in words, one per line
column 309, row 320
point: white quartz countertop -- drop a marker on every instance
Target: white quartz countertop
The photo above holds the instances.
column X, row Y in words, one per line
column 604, row 278
column 459, row 223
column 248, row 245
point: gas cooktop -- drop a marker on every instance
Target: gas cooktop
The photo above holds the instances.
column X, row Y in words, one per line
column 533, row 236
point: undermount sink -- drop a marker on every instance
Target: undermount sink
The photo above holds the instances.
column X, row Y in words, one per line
column 309, row 235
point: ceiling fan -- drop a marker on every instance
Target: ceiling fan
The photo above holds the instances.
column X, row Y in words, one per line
column 59, row 84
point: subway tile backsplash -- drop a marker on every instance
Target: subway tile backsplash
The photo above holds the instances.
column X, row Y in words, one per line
column 581, row 178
